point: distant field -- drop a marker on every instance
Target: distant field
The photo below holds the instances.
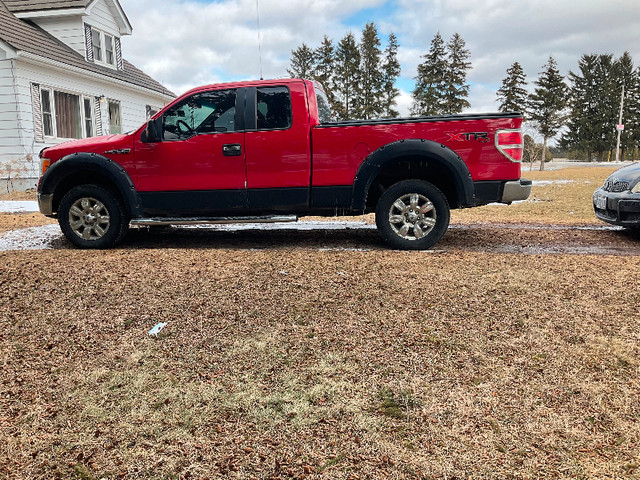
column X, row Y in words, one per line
column 303, row 356
column 561, row 196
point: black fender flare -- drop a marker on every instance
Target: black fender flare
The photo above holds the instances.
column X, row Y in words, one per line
column 87, row 163
column 418, row 148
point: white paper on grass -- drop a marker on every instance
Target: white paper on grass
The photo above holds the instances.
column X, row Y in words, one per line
column 157, row 329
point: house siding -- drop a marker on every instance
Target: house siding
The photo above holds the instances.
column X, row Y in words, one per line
column 14, row 158
column 68, row 30
column 100, row 16
column 24, row 150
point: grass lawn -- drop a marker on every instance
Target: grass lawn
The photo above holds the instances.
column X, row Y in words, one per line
column 297, row 362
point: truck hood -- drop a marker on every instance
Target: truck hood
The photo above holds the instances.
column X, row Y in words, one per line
column 89, row 145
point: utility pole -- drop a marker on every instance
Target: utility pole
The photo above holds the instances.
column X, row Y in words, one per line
column 620, row 126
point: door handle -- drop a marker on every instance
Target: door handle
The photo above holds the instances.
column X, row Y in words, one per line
column 232, row 150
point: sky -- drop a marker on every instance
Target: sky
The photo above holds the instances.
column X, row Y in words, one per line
column 186, row 43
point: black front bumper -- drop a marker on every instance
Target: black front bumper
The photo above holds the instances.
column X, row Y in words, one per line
column 617, row 208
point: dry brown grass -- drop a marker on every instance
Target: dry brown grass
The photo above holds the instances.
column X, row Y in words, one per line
column 15, row 195
column 13, row 222
column 372, row 364
column 287, row 361
column 559, row 203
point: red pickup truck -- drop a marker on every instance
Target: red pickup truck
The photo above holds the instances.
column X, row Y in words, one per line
column 265, row 151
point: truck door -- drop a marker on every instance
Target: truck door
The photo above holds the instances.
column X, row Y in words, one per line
column 199, row 166
column 277, row 148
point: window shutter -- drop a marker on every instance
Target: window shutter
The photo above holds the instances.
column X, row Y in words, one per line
column 37, row 113
column 88, row 42
column 118, row 53
column 98, row 113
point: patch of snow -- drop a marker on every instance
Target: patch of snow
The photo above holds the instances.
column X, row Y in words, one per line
column 16, row 206
column 34, row 238
column 343, row 249
column 533, row 226
column 544, row 183
column 497, row 204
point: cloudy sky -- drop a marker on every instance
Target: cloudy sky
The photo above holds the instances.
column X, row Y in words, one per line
column 185, row 43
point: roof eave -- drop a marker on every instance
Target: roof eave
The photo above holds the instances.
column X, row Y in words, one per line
column 38, row 60
column 65, row 12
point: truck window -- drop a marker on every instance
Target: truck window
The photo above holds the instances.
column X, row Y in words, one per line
column 324, row 109
column 201, row 113
column 274, row 108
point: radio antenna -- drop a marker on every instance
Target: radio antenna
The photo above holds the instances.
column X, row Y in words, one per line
column 259, row 39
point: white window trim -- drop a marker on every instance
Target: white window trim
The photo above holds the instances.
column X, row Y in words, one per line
column 103, row 48
column 54, row 113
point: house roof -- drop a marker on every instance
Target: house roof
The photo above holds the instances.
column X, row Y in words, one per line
column 33, row 5
column 24, row 36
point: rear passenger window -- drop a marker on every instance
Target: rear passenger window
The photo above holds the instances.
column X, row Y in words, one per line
column 274, row 108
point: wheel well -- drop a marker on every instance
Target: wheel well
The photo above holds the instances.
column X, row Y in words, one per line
column 84, row 178
column 413, row 168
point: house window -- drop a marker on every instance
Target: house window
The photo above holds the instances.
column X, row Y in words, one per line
column 108, row 48
column 96, row 40
column 68, row 123
column 88, row 116
column 103, row 47
column 66, row 115
column 47, row 112
column 115, row 123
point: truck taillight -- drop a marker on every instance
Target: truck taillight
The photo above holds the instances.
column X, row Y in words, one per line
column 510, row 144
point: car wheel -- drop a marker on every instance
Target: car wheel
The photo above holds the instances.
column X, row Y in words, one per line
column 91, row 216
column 412, row 215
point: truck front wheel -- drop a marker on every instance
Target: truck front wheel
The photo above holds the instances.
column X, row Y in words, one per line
column 90, row 216
column 412, row 215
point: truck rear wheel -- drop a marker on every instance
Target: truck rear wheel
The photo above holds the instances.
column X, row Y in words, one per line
column 412, row 215
column 90, row 216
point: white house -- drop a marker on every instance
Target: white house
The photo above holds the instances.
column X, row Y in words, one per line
column 62, row 76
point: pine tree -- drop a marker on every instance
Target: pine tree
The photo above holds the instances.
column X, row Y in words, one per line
column 513, row 94
column 347, row 77
column 456, row 89
column 586, row 90
column 391, row 72
column 325, row 67
column 595, row 104
column 548, row 103
column 430, row 89
column 370, row 91
column 634, row 111
column 302, row 62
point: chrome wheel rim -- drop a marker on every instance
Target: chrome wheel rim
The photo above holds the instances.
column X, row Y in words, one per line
column 89, row 218
column 412, row 216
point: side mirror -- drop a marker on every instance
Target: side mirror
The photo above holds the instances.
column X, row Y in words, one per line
column 152, row 134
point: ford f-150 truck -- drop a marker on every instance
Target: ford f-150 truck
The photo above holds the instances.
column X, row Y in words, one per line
column 266, row 151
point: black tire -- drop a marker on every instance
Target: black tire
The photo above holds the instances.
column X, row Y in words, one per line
column 91, row 216
column 412, row 215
